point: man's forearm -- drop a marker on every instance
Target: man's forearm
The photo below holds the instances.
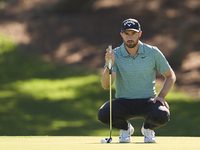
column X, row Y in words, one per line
column 105, row 80
column 168, row 84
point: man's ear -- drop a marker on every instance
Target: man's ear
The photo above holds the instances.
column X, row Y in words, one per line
column 140, row 33
column 121, row 34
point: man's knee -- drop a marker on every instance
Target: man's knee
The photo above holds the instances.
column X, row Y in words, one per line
column 163, row 117
column 103, row 116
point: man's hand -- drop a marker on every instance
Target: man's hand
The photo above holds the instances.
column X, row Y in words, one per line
column 109, row 56
column 162, row 100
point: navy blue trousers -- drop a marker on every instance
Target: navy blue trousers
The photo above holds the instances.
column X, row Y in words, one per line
column 155, row 115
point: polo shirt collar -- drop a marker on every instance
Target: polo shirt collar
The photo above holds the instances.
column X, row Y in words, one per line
column 125, row 53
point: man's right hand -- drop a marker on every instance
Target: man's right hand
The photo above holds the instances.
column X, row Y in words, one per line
column 109, row 56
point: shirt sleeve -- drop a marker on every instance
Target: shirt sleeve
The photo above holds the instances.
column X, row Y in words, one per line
column 162, row 64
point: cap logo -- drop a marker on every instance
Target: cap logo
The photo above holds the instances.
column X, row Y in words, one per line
column 129, row 23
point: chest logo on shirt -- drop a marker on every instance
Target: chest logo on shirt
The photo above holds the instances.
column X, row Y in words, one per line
column 143, row 57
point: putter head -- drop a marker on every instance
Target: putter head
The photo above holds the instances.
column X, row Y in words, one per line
column 108, row 140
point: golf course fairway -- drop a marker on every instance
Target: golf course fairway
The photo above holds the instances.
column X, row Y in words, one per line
column 93, row 143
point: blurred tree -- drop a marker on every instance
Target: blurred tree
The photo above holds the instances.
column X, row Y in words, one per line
column 72, row 6
column 181, row 51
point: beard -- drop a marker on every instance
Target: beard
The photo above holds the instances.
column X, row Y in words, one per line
column 131, row 45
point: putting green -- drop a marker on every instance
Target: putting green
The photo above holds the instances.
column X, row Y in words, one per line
column 93, row 143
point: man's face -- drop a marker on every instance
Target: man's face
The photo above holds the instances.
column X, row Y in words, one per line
column 131, row 38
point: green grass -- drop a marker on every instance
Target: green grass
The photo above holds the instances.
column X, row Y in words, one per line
column 44, row 98
column 91, row 142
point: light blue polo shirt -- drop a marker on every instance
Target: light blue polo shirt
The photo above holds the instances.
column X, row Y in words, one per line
column 135, row 76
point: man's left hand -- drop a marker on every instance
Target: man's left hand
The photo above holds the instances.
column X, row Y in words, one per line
column 162, row 100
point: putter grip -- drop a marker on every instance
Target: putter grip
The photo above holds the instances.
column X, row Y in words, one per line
column 110, row 61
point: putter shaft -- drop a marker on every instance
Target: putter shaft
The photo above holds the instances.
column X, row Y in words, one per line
column 110, row 105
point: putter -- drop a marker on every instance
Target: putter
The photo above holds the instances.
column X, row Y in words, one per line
column 108, row 140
